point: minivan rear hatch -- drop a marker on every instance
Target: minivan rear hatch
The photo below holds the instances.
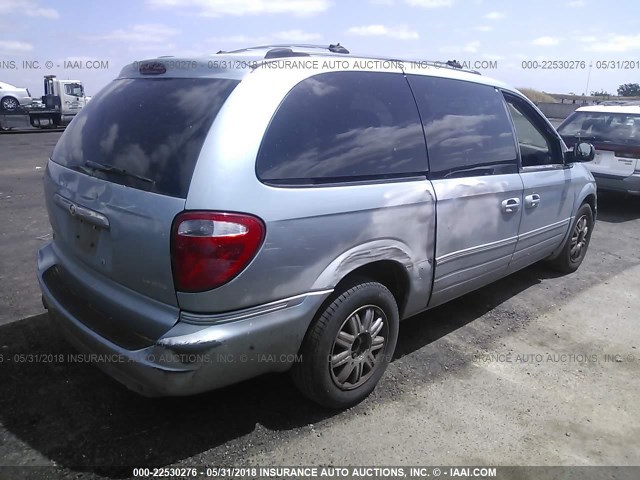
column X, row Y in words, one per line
column 120, row 174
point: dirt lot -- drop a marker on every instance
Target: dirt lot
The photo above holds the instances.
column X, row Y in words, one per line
column 537, row 369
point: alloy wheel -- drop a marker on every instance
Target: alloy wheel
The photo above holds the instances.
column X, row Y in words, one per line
column 358, row 347
column 579, row 238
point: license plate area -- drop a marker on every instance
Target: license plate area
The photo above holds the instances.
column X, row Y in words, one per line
column 86, row 235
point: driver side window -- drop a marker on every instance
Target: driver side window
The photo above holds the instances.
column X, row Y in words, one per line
column 535, row 147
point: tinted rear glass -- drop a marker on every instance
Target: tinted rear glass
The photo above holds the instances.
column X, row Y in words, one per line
column 152, row 129
column 343, row 126
column 621, row 128
column 467, row 127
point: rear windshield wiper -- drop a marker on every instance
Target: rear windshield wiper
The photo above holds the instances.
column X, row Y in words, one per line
column 118, row 171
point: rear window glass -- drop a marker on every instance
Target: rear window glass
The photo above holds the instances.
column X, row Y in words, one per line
column 148, row 133
column 467, row 128
column 603, row 127
column 344, row 126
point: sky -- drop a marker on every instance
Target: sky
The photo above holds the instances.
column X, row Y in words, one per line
column 508, row 40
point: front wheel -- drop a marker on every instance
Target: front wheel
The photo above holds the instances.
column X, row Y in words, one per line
column 575, row 247
column 348, row 347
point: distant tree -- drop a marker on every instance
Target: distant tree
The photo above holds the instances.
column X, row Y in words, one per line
column 600, row 93
column 629, row 90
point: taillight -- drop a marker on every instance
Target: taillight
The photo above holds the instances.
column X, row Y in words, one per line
column 210, row 248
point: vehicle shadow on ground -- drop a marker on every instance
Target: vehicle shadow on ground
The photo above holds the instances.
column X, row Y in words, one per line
column 423, row 329
column 78, row 417
column 616, row 207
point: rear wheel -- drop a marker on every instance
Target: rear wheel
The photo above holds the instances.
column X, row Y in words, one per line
column 348, row 347
column 9, row 104
column 575, row 247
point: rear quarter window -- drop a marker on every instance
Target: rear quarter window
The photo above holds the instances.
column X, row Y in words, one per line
column 343, row 126
column 151, row 128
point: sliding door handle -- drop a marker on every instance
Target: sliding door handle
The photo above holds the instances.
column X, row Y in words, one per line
column 531, row 201
column 510, row 205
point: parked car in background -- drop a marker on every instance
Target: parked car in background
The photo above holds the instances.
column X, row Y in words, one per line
column 217, row 223
column 12, row 97
column 615, row 133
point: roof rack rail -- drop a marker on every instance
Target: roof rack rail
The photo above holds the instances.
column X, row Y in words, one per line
column 334, row 48
column 449, row 64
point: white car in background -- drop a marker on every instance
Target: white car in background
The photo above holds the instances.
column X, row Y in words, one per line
column 12, row 97
column 615, row 133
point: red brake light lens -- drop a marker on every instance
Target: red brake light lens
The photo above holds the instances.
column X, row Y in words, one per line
column 208, row 249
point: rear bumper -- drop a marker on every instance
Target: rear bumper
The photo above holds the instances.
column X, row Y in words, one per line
column 629, row 184
column 195, row 355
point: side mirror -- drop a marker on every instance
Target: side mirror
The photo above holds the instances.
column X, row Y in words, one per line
column 582, row 152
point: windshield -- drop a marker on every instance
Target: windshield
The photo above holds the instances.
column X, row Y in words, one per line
column 603, row 127
column 144, row 133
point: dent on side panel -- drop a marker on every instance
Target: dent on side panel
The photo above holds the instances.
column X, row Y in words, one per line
column 469, row 211
column 475, row 237
column 307, row 228
column 342, row 229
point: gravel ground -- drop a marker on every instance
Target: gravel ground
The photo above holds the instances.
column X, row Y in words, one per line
column 536, row 369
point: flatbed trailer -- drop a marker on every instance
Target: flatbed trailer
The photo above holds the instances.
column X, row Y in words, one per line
column 29, row 118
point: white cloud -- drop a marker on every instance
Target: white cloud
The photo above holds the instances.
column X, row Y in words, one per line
column 576, row 3
column 471, row 47
column 288, row 36
column 13, row 46
column 616, row 43
column 297, row 36
column 219, row 8
column 151, row 50
column 27, row 7
column 246, row 39
column 491, row 56
column 49, row 13
column 399, row 32
column 546, row 41
column 587, row 39
column 483, row 28
column 143, row 33
column 494, row 16
column 430, row 3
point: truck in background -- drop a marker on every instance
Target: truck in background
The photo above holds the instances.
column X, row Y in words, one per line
column 61, row 101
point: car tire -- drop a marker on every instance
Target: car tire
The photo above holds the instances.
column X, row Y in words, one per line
column 9, row 104
column 575, row 247
column 348, row 346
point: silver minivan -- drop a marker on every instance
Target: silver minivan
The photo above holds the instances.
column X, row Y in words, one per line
column 283, row 208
